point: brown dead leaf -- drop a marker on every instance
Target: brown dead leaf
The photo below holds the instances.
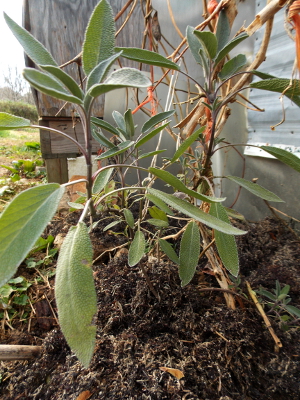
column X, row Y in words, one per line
column 84, row 395
column 173, row 371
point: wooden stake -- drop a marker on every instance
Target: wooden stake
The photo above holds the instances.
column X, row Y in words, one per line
column 277, row 341
column 10, row 352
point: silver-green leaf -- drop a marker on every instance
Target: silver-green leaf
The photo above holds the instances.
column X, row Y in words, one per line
column 8, row 121
column 256, row 189
column 121, row 78
column 232, row 66
column 189, row 253
column 99, row 38
column 100, row 71
column 129, row 217
column 195, row 213
column 156, row 119
column 229, row 46
column 22, row 222
column 75, row 292
column 147, row 57
column 284, row 156
column 66, row 79
column 137, row 249
column 168, row 250
column 187, row 143
column 121, row 148
column 150, row 135
column 226, row 244
column 194, row 44
column 209, row 43
column 48, row 85
column 101, row 180
column 32, row 47
column 180, row 186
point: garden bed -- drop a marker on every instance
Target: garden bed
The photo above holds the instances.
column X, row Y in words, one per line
column 223, row 353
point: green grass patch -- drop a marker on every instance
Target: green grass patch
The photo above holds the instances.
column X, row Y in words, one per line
column 4, row 134
column 20, row 109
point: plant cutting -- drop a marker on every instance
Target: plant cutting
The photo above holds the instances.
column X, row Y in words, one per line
column 29, row 213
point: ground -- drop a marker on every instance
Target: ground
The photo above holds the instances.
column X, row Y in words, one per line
column 224, row 354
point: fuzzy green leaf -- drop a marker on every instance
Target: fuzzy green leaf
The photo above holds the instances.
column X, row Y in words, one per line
column 48, row 85
column 229, row 46
column 121, row 78
column 101, row 180
column 293, row 310
column 279, row 85
column 101, row 138
column 194, row 44
column 156, row 213
column 151, row 154
column 8, row 121
column 99, row 38
column 209, row 43
column 129, row 124
column 168, row 250
column 112, row 224
column 158, row 223
column 150, row 135
column 137, row 249
column 177, row 184
column 156, row 119
column 195, row 213
column 256, row 189
column 32, row 47
column 234, row 214
column 66, row 79
column 100, row 71
column 187, row 143
column 22, row 222
column 75, row 292
column 119, row 120
column 104, row 125
column 121, row 148
column 233, row 66
column 223, row 30
column 226, row 244
column 189, row 253
column 267, row 294
column 159, row 203
column 284, row 156
column 129, row 217
column 147, row 57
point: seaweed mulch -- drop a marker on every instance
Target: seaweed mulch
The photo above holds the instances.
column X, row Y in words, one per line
column 223, row 353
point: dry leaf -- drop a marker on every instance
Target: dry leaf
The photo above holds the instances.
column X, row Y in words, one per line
column 173, row 371
column 84, row 395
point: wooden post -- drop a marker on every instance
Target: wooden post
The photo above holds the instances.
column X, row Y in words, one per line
column 10, row 352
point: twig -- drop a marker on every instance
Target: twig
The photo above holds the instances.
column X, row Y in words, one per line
column 224, row 291
column 206, row 248
column 127, row 18
column 149, row 283
column 109, row 251
column 277, row 341
column 281, row 219
column 121, row 12
column 176, row 235
column 173, row 20
column 18, row 352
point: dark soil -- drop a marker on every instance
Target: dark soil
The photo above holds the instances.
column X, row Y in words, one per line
column 224, row 354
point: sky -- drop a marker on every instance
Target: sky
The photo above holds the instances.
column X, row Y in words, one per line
column 11, row 51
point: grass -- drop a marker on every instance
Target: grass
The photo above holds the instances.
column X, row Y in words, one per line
column 13, row 144
column 16, row 146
